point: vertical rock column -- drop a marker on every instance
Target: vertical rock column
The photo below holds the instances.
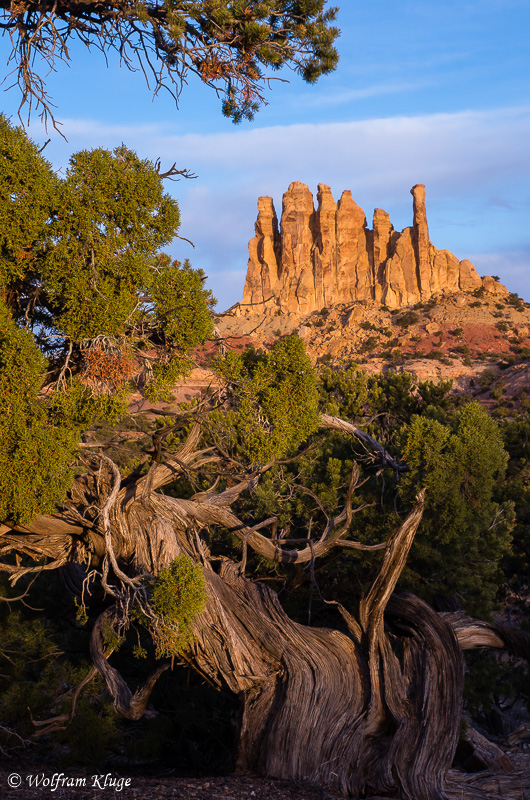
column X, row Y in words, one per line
column 354, row 269
column 421, row 242
column 382, row 249
column 325, row 249
column 400, row 280
column 297, row 284
column 263, row 263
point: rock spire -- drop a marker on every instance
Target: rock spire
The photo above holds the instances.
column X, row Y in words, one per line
column 323, row 257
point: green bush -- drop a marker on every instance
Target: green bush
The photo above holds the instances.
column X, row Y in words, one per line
column 486, row 378
column 35, row 456
column 274, row 403
column 408, row 318
column 177, row 596
column 461, row 464
column 369, row 344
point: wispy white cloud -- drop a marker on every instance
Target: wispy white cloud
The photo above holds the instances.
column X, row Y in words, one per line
column 467, row 149
column 340, row 97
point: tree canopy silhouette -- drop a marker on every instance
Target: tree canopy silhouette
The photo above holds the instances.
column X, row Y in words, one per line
column 233, row 46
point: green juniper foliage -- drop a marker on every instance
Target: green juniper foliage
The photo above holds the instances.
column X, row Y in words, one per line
column 84, row 290
column 28, row 197
column 274, row 405
column 35, row 455
column 455, row 451
column 465, row 533
column 112, row 219
column 178, row 595
column 89, row 264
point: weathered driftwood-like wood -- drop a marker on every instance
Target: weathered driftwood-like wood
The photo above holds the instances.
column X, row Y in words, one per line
column 486, row 754
column 373, row 711
column 473, row 634
column 132, row 706
column 372, row 445
column 489, row 785
column 308, row 696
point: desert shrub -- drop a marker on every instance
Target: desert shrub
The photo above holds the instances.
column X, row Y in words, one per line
column 369, row 344
column 178, row 595
column 498, row 390
column 408, row 318
column 274, row 404
column 486, row 378
column 430, row 304
column 517, row 302
column 461, row 463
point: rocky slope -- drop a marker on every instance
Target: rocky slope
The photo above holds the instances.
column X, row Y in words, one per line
column 317, row 258
column 474, row 338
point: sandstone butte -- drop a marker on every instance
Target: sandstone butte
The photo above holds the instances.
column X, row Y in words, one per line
column 327, row 256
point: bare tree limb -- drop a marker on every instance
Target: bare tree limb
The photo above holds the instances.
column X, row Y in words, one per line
column 372, row 607
column 132, row 706
column 337, row 424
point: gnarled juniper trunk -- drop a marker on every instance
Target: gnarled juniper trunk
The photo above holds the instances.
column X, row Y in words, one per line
column 373, row 710
column 310, row 708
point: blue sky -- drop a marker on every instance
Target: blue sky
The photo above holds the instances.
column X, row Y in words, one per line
column 434, row 93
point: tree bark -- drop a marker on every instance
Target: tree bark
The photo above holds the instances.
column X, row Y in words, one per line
column 373, row 709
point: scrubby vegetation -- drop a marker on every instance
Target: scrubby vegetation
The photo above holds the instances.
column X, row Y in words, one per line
column 257, row 535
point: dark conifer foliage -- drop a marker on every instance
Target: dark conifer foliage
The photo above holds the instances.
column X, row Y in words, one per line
column 233, row 46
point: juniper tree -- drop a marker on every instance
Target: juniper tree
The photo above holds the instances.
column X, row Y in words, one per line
column 370, row 706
